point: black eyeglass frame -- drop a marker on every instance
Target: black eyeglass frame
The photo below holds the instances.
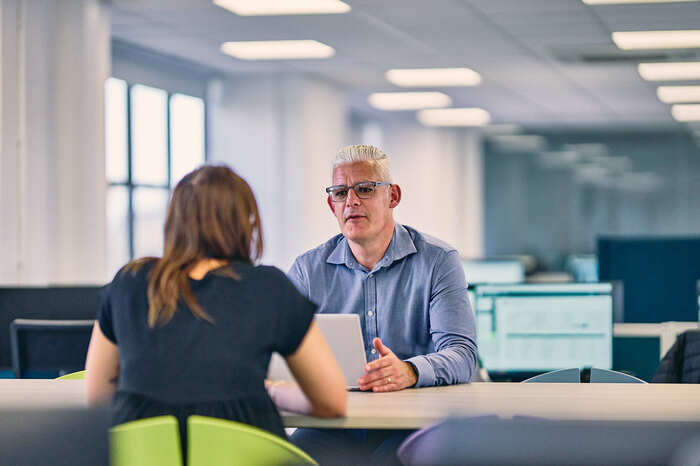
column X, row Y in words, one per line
column 374, row 184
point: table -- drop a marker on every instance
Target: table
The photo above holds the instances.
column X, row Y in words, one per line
column 42, row 393
column 416, row 408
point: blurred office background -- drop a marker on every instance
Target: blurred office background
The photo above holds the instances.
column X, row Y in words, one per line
column 567, row 138
column 549, row 141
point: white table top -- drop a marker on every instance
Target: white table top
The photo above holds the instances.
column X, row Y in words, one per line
column 415, row 408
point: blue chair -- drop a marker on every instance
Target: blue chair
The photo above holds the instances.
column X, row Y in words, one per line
column 420, row 446
column 545, row 442
column 572, row 375
column 608, row 376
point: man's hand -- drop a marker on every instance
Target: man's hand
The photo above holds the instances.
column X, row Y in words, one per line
column 388, row 373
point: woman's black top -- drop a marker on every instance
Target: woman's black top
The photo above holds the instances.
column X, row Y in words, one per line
column 191, row 366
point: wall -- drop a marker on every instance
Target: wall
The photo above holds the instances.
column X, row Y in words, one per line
column 280, row 133
column 551, row 212
column 440, row 172
column 55, row 58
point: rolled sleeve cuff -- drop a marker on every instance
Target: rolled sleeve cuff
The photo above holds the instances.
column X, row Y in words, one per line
column 426, row 374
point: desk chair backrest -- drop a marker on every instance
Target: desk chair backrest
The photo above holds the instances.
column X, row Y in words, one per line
column 219, row 442
column 572, row 375
column 80, row 375
column 49, row 348
column 608, row 376
column 53, row 436
column 421, row 447
column 147, row 442
column 587, row 375
column 542, row 442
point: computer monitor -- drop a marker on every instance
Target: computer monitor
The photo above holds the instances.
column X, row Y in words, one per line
column 56, row 302
column 542, row 327
column 659, row 276
column 49, row 348
column 493, row 271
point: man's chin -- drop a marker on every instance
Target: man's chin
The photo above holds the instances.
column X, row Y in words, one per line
column 355, row 234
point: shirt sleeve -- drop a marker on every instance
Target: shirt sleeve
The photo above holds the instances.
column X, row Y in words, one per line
column 296, row 315
column 452, row 328
column 298, row 277
column 104, row 314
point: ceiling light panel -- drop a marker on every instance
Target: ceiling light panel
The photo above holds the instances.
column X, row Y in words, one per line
column 277, row 49
column 686, row 112
column 283, row 7
column 429, row 77
column 454, row 117
column 679, row 71
column 408, row 100
column 678, row 94
column 653, row 40
column 619, row 2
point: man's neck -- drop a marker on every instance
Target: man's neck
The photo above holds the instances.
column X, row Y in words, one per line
column 369, row 253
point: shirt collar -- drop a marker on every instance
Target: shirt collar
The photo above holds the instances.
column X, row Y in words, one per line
column 401, row 245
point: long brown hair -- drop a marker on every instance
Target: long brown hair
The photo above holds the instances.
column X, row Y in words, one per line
column 212, row 214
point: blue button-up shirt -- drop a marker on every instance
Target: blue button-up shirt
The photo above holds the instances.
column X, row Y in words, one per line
column 414, row 299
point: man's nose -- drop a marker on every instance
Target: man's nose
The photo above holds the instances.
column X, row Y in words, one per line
column 352, row 198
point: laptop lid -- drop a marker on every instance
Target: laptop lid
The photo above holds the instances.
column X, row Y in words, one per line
column 344, row 336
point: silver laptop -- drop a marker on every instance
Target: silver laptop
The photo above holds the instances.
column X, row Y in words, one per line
column 344, row 336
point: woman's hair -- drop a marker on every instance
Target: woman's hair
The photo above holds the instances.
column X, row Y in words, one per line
column 212, row 214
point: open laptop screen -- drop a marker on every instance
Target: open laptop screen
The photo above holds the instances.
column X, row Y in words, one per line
column 344, row 336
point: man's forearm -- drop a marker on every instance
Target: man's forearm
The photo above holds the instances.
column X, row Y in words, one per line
column 454, row 364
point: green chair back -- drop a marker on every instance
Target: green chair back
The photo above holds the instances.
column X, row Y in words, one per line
column 147, row 442
column 218, row 442
column 80, row 375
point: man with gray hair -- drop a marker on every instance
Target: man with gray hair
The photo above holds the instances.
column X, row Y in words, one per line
column 408, row 289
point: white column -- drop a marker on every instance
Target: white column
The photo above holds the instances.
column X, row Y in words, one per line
column 55, row 60
column 281, row 133
column 440, row 172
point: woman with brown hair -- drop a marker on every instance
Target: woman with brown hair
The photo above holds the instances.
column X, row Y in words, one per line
column 192, row 332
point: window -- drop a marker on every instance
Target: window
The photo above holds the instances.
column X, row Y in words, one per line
column 153, row 138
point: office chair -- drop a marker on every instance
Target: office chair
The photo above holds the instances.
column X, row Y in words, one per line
column 49, row 348
column 546, row 442
column 421, row 446
column 608, row 376
column 572, row 375
column 219, row 442
column 80, row 375
column 153, row 441
column 55, row 436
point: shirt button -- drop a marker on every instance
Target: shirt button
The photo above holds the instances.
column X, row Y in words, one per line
column 373, row 351
column 370, row 276
column 370, row 313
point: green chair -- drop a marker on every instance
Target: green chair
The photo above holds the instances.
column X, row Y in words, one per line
column 80, row 375
column 147, row 442
column 219, row 442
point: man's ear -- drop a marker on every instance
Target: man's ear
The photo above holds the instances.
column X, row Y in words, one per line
column 395, row 195
column 331, row 204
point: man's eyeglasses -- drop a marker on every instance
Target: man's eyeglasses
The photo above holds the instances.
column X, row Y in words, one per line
column 363, row 190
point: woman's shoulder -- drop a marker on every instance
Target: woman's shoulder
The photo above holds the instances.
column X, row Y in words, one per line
column 260, row 272
column 134, row 273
